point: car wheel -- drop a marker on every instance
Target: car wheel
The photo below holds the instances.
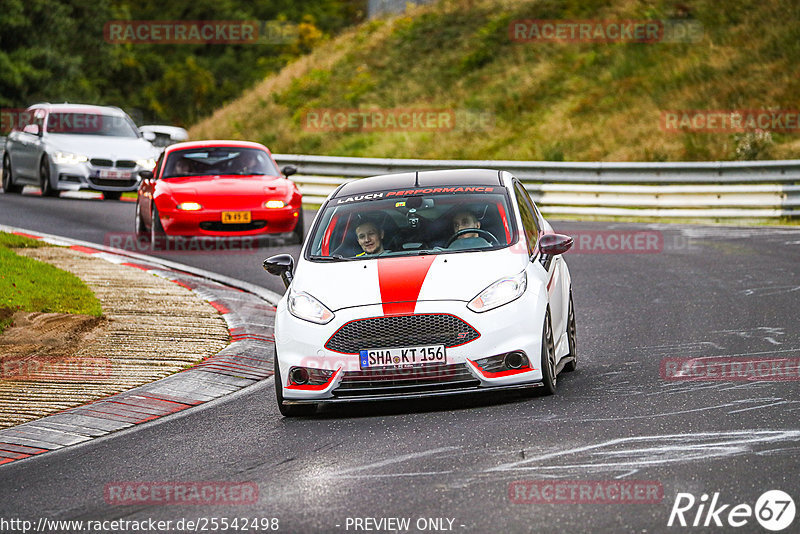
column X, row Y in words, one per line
column 158, row 237
column 139, row 229
column 296, row 410
column 112, row 195
column 44, row 179
column 8, row 180
column 299, row 230
column 548, row 358
column 572, row 364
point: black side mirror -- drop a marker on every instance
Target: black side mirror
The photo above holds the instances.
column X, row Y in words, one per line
column 553, row 245
column 281, row 265
column 289, row 170
column 147, row 175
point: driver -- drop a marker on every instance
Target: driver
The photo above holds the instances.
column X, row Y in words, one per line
column 370, row 238
column 250, row 163
column 465, row 220
column 182, row 168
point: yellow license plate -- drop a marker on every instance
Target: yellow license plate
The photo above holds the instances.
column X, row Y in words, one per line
column 234, row 217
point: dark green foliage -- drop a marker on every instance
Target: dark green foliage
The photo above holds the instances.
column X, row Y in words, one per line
column 55, row 50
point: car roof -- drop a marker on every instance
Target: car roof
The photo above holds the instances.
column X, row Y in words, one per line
column 80, row 108
column 421, row 180
column 215, row 143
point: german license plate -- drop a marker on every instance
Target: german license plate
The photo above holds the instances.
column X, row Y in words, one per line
column 234, row 217
column 400, row 357
column 110, row 174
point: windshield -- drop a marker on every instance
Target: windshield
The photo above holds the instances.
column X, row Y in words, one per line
column 394, row 223
column 214, row 161
column 90, row 124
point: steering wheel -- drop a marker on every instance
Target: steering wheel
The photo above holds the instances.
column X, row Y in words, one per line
column 482, row 233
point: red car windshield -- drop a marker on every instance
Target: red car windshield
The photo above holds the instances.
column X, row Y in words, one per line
column 449, row 220
column 217, row 161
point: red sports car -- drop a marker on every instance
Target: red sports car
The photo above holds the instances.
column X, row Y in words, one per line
column 218, row 189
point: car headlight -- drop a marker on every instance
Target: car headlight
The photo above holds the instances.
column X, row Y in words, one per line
column 499, row 293
column 67, row 158
column 189, row 206
column 304, row 306
column 148, row 164
column 274, row 204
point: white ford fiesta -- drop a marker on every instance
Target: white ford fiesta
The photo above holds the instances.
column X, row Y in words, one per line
column 423, row 284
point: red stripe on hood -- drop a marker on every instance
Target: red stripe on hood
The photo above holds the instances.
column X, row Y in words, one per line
column 400, row 281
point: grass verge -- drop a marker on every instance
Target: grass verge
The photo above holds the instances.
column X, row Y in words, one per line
column 33, row 286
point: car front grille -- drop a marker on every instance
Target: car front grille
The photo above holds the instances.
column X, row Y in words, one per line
column 113, row 183
column 403, row 380
column 121, row 164
column 401, row 331
column 217, row 226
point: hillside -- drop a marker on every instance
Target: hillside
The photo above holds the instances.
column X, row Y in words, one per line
column 570, row 101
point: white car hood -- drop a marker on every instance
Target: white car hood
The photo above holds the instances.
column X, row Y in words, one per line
column 406, row 279
column 102, row 146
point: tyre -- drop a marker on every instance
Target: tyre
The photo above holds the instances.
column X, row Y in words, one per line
column 158, row 237
column 296, row 410
column 112, row 195
column 44, row 179
column 139, row 230
column 572, row 364
column 8, row 180
column 299, row 230
column 549, row 377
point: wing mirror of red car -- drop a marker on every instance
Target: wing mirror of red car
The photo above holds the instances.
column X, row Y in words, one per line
column 289, row 170
column 146, row 175
column 554, row 244
column 281, row 265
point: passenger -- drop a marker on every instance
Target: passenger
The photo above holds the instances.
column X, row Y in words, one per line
column 370, row 238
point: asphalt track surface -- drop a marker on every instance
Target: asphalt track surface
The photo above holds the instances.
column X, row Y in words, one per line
column 707, row 291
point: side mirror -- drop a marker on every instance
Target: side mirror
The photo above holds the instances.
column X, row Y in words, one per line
column 33, row 129
column 281, row 265
column 289, row 170
column 554, row 244
column 146, row 175
column 149, row 136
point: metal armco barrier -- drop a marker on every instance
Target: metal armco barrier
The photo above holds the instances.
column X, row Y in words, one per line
column 749, row 189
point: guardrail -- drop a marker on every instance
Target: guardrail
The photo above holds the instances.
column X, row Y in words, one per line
column 757, row 189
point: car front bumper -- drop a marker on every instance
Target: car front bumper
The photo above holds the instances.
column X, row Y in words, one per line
column 302, row 344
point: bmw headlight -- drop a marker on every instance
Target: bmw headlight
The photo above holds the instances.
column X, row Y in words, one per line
column 499, row 293
column 67, row 158
column 304, row 306
column 148, row 164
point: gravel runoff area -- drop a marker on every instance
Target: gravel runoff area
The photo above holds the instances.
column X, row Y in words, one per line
column 153, row 328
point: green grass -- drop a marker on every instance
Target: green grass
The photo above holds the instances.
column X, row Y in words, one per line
column 548, row 101
column 30, row 285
